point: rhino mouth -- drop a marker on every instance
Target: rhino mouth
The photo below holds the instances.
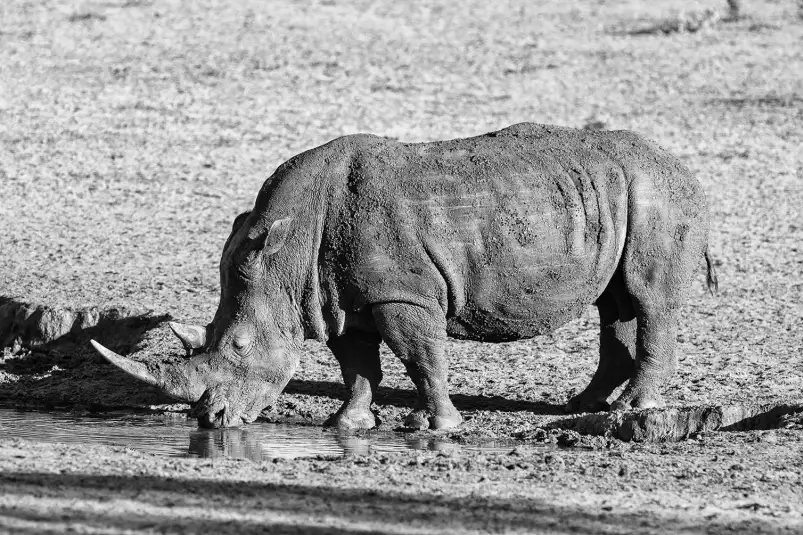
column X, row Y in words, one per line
column 218, row 419
column 217, row 414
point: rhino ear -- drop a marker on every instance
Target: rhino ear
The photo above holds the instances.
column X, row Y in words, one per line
column 239, row 220
column 276, row 236
column 238, row 223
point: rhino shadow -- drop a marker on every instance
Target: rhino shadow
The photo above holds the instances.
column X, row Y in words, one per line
column 171, row 504
column 403, row 397
column 49, row 346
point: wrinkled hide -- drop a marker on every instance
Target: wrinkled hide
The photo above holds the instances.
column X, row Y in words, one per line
column 494, row 238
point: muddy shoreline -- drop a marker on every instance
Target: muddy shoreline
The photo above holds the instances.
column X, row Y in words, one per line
column 50, row 333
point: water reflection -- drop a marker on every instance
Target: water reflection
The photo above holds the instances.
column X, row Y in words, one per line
column 352, row 445
column 433, row 444
column 230, row 443
column 168, row 434
column 261, row 442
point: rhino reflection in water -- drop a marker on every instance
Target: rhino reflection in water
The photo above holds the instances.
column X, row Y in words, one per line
column 494, row 238
column 235, row 443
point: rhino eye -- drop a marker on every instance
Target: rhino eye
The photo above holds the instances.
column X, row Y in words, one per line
column 240, row 342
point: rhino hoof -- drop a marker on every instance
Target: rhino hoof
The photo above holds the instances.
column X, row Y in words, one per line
column 421, row 419
column 638, row 402
column 581, row 404
column 445, row 422
column 418, row 420
column 352, row 420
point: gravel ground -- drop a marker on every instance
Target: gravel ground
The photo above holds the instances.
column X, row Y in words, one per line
column 132, row 132
column 718, row 484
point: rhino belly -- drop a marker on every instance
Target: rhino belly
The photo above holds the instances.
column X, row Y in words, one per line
column 511, row 304
column 533, row 261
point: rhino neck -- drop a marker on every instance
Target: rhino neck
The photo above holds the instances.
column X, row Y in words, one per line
column 298, row 192
column 301, row 297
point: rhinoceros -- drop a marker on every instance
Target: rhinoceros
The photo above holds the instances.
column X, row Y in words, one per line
column 494, row 238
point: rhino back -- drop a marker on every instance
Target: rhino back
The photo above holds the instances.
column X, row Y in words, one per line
column 511, row 233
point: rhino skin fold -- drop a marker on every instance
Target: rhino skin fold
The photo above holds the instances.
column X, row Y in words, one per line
column 494, row 238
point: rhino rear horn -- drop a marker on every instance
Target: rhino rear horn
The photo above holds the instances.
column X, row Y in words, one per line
column 173, row 380
column 191, row 336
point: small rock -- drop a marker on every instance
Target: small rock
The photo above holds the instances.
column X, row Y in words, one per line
column 555, row 462
column 567, row 439
column 538, row 434
column 770, row 437
column 595, row 124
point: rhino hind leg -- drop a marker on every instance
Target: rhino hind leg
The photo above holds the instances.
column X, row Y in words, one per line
column 358, row 355
column 657, row 276
column 617, row 346
column 417, row 336
column 655, row 361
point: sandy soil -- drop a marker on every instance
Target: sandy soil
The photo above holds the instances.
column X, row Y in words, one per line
column 718, row 484
column 132, row 132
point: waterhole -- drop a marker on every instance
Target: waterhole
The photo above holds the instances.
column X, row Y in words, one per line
column 175, row 435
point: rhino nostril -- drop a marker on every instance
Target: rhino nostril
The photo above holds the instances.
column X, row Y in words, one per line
column 210, row 420
column 219, row 415
column 206, row 422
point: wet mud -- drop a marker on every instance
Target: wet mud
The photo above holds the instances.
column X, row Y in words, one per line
column 176, row 435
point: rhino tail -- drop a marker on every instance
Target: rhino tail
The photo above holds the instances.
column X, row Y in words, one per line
column 711, row 274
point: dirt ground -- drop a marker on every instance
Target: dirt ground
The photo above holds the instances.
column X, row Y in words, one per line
column 718, row 484
column 133, row 131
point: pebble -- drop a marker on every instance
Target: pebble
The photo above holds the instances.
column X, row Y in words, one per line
column 769, row 437
column 555, row 461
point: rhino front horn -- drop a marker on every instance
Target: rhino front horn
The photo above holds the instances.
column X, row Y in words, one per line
column 172, row 380
column 192, row 336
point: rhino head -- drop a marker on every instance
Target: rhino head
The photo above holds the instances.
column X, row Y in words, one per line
column 239, row 363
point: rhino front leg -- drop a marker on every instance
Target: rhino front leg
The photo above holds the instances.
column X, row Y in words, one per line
column 417, row 335
column 358, row 355
column 617, row 346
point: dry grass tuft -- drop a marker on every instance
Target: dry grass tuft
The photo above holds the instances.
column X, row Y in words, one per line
column 685, row 22
column 761, row 26
column 86, row 16
column 734, row 9
column 767, row 101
